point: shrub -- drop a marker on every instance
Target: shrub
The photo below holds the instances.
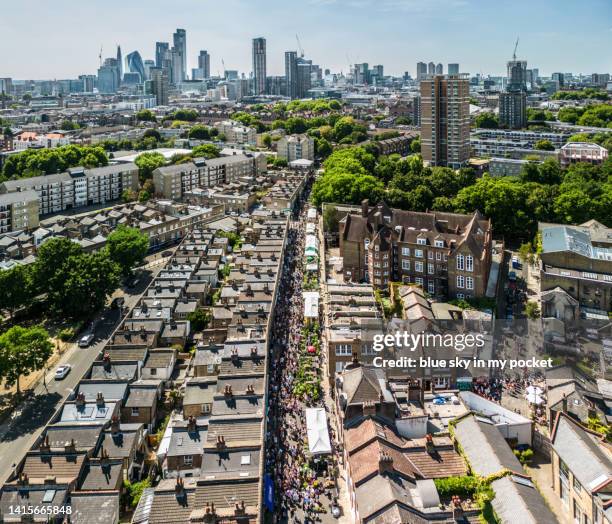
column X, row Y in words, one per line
column 66, row 334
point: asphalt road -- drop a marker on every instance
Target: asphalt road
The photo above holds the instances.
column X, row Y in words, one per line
column 20, row 431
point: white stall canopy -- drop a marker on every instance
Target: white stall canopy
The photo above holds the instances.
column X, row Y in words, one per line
column 316, row 428
column 311, row 304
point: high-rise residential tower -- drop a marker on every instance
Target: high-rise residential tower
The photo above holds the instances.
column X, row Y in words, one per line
column 158, row 85
column 445, row 120
column 431, row 68
column 439, row 69
column 259, row 66
column 291, row 73
column 180, row 46
column 513, row 101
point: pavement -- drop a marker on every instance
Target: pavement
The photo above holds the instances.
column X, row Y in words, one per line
column 540, row 471
column 19, row 432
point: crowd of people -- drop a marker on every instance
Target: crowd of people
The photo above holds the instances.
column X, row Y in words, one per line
column 301, row 483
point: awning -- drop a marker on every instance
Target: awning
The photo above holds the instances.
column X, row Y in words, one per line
column 311, row 304
column 316, row 428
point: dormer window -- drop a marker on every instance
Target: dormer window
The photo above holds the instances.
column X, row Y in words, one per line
column 387, row 219
column 439, row 243
column 421, row 241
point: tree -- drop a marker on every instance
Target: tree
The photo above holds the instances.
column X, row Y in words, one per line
column 145, row 115
column 415, row 145
column 532, row 310
column 266, row 140
column 152, row 133
column 186, row 115
column 330, row 219
column 573, row 206
column 15, row 288
column 68, row 125
column 323, row 147
column 487, row 121
column 206, row 151
column 147, row 163
column 22, row 351
column 199, row 132
column 544, row 145
column 403, row 121
column 127, row 246
column 279, row 162
column 343, row 127
column 199, row 319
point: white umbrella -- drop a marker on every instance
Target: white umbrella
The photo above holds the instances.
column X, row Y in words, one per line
column 534, row 398
column 534, row 390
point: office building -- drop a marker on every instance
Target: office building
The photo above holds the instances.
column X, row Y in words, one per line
column 6, row 86
column 18, row 211
column 453, row 69
column 421, row 69
column 108, row 76
column 295, row 147
column 361, row 74
column 204, row 63
column 445, row 120
column 291, row 74
column 447, row 254
column 600, row 79
column 180, row 48
column 135, row 65
column 159, row 85
column 176, row 65
column 517, row 74
column 431, row 68
column 120, row 63
column 89, row 83
column 259, row 66
column 161, row 52
column 559, row 79
column 439, row 69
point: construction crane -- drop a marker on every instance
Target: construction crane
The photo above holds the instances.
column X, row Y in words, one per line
column 515, row 46
column 100, row 56
column 300, row 48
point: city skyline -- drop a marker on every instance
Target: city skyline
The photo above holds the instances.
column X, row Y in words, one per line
column 402, row 33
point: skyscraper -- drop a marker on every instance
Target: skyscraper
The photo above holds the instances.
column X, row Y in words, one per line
column 119, row 63
column 517, row 74
column 176, row 66
column 259, row 66
column 204, row 63
column 291, row 73
column 513, row 101
column 304, row 70
column 135, row 64
column 148, row 64
column 421, row 70
column 445, row 120
column 439, row 69
column 161, row 52
column 180, row 45
column 108, row 76
column 453, row 69
column 361, row 74
column 431, row 68
column 158, row 85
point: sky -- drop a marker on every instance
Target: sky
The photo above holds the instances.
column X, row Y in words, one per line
column 44, row 39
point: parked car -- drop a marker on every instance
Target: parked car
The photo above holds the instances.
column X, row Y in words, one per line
column 85, row 341
column 117, row 302
column 62, row 371
column 167, row 253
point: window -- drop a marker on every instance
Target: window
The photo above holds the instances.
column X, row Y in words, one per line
column 460, row 295
column 153, row 371
column 430, row 269
column 135, row 412
column 366, row 243
column 340, row 366
column 418, row 266
column 563, row 471
column 460, row 262
column 406, row 251
column 460, row 281
column 418, row 281
column 577, row 485
column 438, row 255
column 431, row 287
column 439, row 243
column 406, row 264
column 385, row 256
column 367, row 349
column 343, row 350
column 377, row 248
column 469, row 263
column 421, row 241
column 430, row 255
column 469, row 283
column 205, row 409
column 418, row 253
column 188, row 460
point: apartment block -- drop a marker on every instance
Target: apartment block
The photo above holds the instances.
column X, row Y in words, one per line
column 237, row 133
column 78, row 187
column 176, row 180
column 296, row 147
column 573, row 152
column 447, row 254
column 445, row 120
column 18, row 211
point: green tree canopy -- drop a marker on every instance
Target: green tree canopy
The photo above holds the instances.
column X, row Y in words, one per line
column 199, row 132
column 487, row 120
column 544, row 145
column 147, row 163
column 127, row 246
column 145, row 115
column 22, row 351
column 206, row 151
column 15, row 288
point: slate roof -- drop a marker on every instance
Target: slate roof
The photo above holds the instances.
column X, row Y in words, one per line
column 183, row 442
column 94, row 508
column 518, row 500
column 98, row 476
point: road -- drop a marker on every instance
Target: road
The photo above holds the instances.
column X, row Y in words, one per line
column 20, row 431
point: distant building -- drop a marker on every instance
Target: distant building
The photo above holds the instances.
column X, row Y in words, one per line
column 161, row 51
column 180, row 51
column 304, row 77
column 445, row 120
column 439, row 69
column 453, row 69
column 237, row 133
column 598, row 79
column 291, row 74
column 109, row 76
column 421, row 71
column 204, row 64
column 295, row 147
column 159, row 85
column 29, row 139
column 513, row 109
column 259, row 66
column 136, row 65
column 431, row 69
column 506, row 166
column 559, row 79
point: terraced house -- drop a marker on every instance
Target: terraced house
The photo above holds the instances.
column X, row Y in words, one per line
column 447, row 254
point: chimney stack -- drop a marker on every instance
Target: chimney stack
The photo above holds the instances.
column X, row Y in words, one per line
column 385, row 463
column 365, row 204
column 114, row 426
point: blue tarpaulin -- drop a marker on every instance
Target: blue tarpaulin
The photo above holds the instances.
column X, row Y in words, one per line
column 269, row 492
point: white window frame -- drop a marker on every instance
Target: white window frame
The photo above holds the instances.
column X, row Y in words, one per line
column 431, row 269
column 419, row 281
column 406, row 251
column 188, row 460
column 469, row 263
column 469, row 283
column 422, row 241
column 406, row 265
column 460, row 281
column 431, row 287
column 439, row 243
column 418, row 267
column 460, row 262
column 418, row 253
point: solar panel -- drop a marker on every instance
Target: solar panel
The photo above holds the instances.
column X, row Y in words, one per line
column 523, row 481
column 49, row 495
